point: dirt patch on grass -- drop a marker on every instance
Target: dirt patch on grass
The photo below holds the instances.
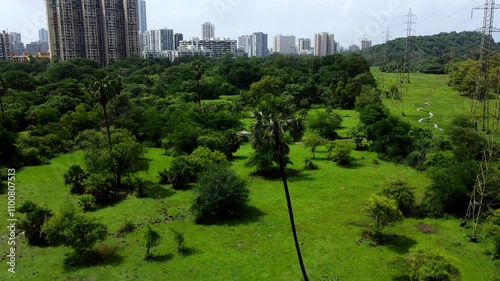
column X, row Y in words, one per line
column 427, row 228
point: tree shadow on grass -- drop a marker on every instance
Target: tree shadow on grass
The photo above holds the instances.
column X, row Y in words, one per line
column 101, row 255
column 161, row 258
column 157, row 191
column 187, row 251
column 397, row 243
column 292, row 175
column 250, row 214
column 239, row 157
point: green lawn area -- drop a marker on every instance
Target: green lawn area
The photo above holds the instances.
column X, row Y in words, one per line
column 259, row 246
column 445, row 103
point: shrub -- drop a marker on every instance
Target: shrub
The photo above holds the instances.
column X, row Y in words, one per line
column 181, row 173
column 74, row 229
column 32, row 225
column 87, row 203
column 151, row 239
column 325, row 124
column 426, row 265
column 313, row 142
column 309, row 165
column 31, row 157
column 126, row 228
column 492, row 227
column 102, row 189
column 75, row 178
column 340, row 151
column 179, row 239
column 383, row 211
column 402, row 193
column 220, row 194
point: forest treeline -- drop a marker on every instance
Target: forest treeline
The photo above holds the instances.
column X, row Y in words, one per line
column 430, row 53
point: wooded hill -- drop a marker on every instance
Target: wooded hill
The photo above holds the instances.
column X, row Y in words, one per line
column 429, row 54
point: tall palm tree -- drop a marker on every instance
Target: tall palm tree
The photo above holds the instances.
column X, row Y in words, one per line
column 4, row 88
column 103, row 89
column 198, row 70
column 275, row 116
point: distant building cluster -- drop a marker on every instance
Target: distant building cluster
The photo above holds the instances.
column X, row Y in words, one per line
column 105, row 31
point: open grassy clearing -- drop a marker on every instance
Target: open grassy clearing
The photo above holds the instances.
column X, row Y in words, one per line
column 445, row 103
column 259, row 246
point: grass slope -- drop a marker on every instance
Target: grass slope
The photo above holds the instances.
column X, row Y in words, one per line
column 260, row 246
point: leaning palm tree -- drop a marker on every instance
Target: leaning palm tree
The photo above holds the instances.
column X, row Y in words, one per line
column 103, row 89
column 275, row 116
column 198, row 70
column 4, row 88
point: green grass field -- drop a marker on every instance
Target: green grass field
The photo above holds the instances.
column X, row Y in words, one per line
column 260, row 246
column 445, row 103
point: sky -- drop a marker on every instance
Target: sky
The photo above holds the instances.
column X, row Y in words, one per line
column 348, row 20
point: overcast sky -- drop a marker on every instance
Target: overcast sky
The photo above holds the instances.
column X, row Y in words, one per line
column 349, row 20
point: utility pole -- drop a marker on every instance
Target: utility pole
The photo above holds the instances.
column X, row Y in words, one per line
column 410, row 21
column 481, row 118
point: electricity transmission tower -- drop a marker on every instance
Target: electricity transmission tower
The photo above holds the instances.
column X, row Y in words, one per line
column 481, row 197
column 388, row 35
column 410, row 21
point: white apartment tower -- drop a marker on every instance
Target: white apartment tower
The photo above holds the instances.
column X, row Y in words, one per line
column 101, row 30
column 324, row 44
column 207, row 30
column 304, row 44
column 258, row 45
column 244, row 43
column 284, row 44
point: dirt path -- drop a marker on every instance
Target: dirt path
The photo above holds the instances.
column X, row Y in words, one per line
column 431, row 115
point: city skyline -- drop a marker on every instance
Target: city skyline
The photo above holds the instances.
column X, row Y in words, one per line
column 349, row 20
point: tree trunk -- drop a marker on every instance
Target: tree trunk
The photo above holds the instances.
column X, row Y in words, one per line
column 198, row 92
column 110, row 144
column 3, row 115
column 289, row 204
column 107, row 127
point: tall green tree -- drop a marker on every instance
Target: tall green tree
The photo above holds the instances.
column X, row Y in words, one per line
column 4, row 89
column 198, row 70
column 104, row 88
column 275, row 117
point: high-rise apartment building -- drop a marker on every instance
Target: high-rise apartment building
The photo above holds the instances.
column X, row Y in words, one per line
column 143, row 21
column 101, row 30
column 166, row 39
column 159, row 40
column 284, row 44
column 43, row 35
column 178, row 37
column 258, row 45
column 207, row 30
column 304, row 44
column 4, row 46
column 324, row 44
column 244, row 43
column 16, row 43
column 366, row 44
